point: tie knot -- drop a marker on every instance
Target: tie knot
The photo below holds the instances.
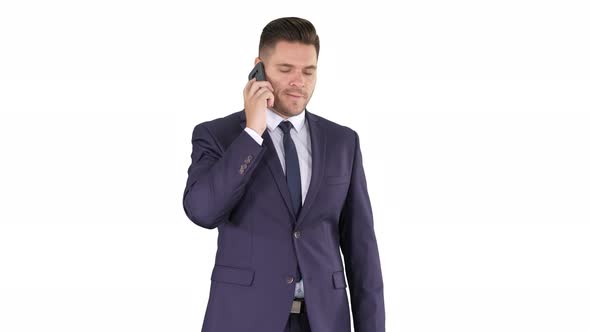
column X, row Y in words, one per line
column 286, row 126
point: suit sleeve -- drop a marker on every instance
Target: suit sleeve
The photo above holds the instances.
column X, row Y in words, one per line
column 360, row 252
column 217, row 177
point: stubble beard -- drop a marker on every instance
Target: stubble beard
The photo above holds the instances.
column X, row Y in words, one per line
column 288, row 111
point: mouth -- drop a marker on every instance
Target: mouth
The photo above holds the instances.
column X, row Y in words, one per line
column 294, row 96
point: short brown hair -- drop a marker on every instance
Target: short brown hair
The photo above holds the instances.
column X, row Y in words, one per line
column 293, row 29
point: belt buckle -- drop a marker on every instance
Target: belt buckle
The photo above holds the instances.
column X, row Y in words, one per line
column 296, row 307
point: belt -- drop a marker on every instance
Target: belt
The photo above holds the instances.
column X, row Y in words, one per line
column 298, row 306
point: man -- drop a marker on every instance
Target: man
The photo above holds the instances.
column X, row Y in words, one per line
column 286, row 190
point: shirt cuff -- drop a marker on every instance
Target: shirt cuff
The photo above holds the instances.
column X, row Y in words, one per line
column 254, row 135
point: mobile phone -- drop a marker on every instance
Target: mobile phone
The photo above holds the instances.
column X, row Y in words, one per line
column 258, row 72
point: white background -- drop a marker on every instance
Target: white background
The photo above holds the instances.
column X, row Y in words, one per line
column 474, row 122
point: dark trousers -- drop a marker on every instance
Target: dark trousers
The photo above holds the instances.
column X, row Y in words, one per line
column 298, row 321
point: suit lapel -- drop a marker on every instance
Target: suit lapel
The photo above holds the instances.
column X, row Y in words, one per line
column 271, row 159
column 318, row 153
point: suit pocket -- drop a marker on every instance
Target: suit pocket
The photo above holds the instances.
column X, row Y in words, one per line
column 232, row 275
column 339, row 279
column 339, row 179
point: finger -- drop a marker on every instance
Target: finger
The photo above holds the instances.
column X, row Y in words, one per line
column 248, row 85
column 263, row 91
column 266, row 94
column 256, row 86
column 267, row 83
column 271, row 100
column 259, row 84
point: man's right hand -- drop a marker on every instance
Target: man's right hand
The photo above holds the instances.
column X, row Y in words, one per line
column 258, row 96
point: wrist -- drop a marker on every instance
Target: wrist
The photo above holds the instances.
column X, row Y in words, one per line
column 259, row 131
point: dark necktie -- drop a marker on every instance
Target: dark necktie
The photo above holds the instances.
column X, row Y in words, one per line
column 291, row 166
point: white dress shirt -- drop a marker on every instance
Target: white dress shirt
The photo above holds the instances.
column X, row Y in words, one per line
column 301, row 138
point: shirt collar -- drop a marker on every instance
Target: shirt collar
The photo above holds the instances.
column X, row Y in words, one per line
column 273, row 120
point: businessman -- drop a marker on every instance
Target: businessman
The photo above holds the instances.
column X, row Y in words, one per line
column 286, row 190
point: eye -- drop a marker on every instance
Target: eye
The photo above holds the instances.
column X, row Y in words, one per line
column 284, row 71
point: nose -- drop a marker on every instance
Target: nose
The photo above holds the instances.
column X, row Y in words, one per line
column 297, row 80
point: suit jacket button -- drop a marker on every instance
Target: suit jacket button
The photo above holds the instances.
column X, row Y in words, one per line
column 297, row 234
column 290, row 280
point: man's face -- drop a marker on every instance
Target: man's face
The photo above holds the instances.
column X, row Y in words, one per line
column 291, row 70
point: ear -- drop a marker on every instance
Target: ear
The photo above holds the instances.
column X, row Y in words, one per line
column 257, row 60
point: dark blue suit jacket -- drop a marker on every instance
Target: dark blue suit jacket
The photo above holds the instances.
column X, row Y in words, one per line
column 238, row 187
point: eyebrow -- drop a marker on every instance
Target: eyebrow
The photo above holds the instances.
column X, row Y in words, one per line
column 291, row 66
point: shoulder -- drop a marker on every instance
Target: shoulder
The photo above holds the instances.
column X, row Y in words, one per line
column 221, row 123
column 223, row 130
column 226, row 124
column 334, row 130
